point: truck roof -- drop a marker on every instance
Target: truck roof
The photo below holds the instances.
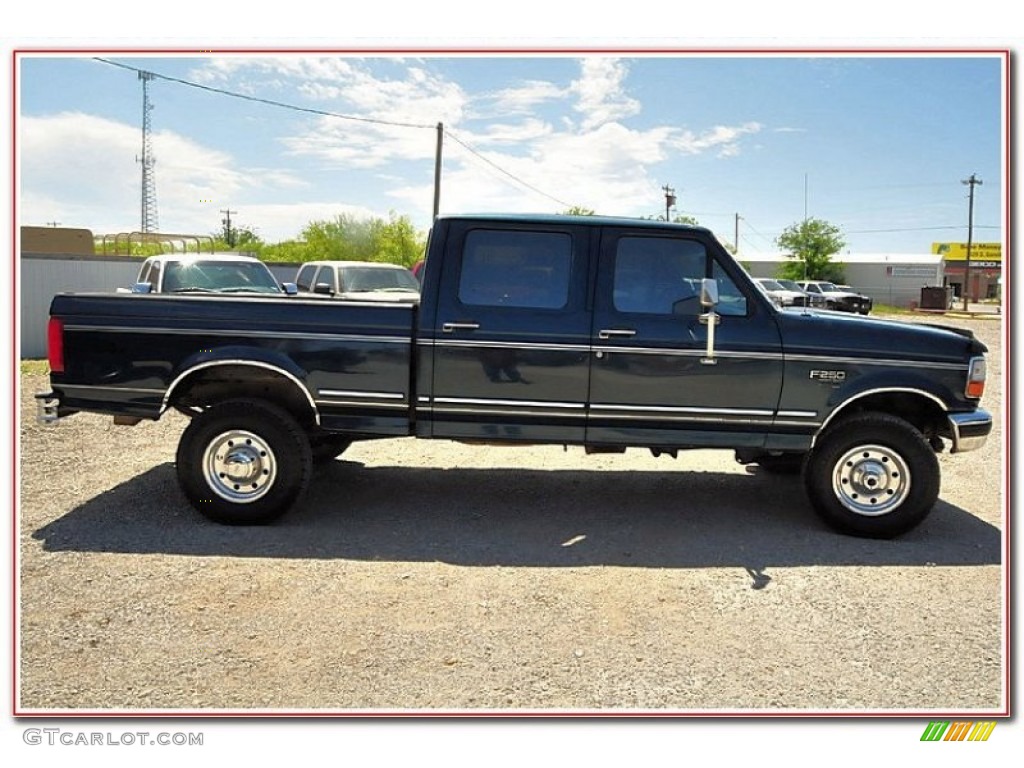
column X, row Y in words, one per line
column 575, row 220
column 194, row 257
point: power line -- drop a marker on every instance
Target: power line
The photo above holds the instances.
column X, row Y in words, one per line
column 910, row 229
column 512, row 176
column 260, row 100
column 326, row 113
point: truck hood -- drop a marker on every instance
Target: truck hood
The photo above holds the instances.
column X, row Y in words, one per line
column 810, row 331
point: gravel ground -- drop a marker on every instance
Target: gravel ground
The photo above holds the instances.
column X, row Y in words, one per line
column 439, row 576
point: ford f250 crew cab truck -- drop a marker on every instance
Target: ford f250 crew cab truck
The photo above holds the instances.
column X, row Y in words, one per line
column 588, row 331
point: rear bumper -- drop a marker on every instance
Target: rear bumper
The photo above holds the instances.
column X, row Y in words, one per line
column 969, row 431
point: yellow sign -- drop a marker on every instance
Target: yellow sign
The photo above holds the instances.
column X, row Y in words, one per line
column 979, row 251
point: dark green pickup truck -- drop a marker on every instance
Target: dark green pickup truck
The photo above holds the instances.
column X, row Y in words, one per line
column 597, row 332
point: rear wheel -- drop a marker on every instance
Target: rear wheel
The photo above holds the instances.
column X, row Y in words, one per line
column 244, row 462
column 872, row 475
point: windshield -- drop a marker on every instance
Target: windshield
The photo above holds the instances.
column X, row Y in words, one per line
column 219, row 277
column 829, row 288
column 789, row 285
column 363, row 279
column 771, row 285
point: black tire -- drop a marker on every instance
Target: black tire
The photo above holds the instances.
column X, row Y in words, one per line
column 872, row 475
column 327, row 447
column 244, row 462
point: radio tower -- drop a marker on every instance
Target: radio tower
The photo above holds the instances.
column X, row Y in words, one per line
column 149, row 220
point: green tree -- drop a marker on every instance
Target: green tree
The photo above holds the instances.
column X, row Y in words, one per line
column 287, row 251
column 349, row 238
column 396, row 240
column 810, row 246
column 343, row 238
column 245, row 239
column 578, row 210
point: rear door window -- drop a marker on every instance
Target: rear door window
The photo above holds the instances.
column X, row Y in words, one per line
column 513, row 268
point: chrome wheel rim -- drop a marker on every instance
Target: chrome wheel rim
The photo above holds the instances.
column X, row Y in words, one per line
column 871, row 480
column 239, row 466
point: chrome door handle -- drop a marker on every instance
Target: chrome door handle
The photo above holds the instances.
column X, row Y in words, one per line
column 449, row 327
column 608, row 333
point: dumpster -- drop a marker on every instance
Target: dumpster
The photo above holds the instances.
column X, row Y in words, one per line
column 936, row 297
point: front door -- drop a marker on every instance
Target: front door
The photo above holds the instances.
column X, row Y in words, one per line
column 652, row 380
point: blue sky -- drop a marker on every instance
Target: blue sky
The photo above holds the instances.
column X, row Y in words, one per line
column 877, row 144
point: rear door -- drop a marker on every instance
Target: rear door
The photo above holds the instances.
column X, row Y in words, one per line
column 652, row 381
column 511, row 333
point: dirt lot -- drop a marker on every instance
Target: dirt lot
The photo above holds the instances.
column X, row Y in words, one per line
column 441, row 576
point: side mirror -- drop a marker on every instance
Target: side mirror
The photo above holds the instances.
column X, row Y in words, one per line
column 324, row 288
column 708, row 292
column 290, row 289
column 142, row 288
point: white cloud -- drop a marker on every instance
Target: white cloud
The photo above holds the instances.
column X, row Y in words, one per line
column 723, row 138
column 521, row 99
column 81, row 170
column 575, row 143
column 601, row 96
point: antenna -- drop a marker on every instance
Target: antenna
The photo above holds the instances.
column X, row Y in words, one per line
column 149, row 218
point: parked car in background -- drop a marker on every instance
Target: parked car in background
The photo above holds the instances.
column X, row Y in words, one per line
column 358, row 280
column 837, row 298
column 810, row 299
column 780, row 294
column 213, row 273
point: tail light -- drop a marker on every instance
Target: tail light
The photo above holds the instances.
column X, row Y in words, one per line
column 55, row 345
column 976, row 378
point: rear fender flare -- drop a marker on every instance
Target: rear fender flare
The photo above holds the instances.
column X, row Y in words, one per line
column 250, row 358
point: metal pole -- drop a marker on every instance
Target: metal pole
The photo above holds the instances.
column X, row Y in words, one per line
column 437, row 169
column 971, row 182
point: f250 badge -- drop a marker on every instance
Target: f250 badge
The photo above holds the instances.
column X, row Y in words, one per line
column 829, row 377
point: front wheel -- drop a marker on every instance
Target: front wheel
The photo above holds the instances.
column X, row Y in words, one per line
column 244, row 462
column 872, row 475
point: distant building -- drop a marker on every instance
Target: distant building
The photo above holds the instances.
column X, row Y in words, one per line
column 895, row 279
column 53, row 240
column 986, row 268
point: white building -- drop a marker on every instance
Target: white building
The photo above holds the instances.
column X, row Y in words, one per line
column 895, row 279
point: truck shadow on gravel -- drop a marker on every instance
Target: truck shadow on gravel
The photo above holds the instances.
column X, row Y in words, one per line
column 515, row 517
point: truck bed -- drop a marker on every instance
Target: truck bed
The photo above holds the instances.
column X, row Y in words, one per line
column 134, row 355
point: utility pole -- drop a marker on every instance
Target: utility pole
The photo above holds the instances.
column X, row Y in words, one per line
column 437, row 169
column 971, row 182
column 670, row 201
column 229, row 233
column 53, row 224
column 736, row 234
column 805, row 197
